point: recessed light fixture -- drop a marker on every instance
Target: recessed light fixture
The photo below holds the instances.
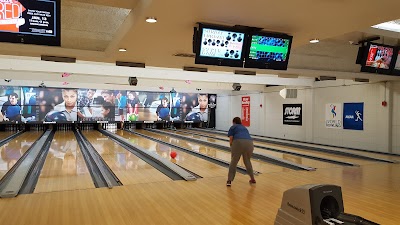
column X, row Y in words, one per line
column 313, row 41
column 122, row 50
column 151, row 20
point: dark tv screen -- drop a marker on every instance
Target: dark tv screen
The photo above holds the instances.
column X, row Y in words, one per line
column 396, row 63
column 220, row 46
column 268, row 51
column 30, row 22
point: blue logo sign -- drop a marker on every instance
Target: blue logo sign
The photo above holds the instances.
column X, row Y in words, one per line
column 353, row 116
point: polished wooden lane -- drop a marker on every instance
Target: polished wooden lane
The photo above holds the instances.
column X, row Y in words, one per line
column 195, row 164
column 214, row 152
column 365, row 153
column 64, row 168
column 370, row 191
column 299, row 150
column 127, row 167
column 293, row 158
column 5, row 134
column 12, row 151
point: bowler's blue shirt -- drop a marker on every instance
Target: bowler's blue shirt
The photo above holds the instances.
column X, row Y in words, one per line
column 238, row 131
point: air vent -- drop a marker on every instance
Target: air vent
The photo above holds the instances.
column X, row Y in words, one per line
column 361, row 80
column 195, row 69
column 322, row 78
column 186, row 55
column 130, row 64
column 287, row 75
column 245, row 72
column 58, row 59
column 288, row 93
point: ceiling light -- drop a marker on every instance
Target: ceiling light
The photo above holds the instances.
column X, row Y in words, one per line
column 393, row 25
column 122, row 50
column 151, row 20
column 313, row 41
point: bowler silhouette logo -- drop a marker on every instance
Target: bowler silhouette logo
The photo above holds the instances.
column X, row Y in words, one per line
column 358, row 114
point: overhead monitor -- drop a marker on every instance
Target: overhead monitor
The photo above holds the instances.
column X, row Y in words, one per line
column 218, row 45
column 377, row 59
column 30, row 22
column 268, row 51
column 396, row 66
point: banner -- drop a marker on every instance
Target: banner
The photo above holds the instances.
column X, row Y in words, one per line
column 333, row 115
column 246, row 111
column 353, row 116
column 42, row 104
column 292, row 114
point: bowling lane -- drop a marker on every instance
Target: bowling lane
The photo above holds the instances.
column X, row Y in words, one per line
column 129, row 168
column 6, row 134
column 12, row 151
column 289, row 157
column 195, row 164
column 213, row 152
column 292, row 149
column 365, row 153
column 64, row 168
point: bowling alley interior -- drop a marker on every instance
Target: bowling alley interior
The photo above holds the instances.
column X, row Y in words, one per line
column 122, row 112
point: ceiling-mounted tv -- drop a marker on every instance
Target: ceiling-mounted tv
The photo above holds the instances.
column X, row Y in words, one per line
column 219, row 45
column 396, row 62
column 377, row 58
column 30, row 22
column 268, row 51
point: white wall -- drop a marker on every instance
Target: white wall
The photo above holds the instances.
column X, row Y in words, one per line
column 375, row 135
column 274, row 126
column 223, row 115
column 396, row 118
column 230, row 107
column 381, row 124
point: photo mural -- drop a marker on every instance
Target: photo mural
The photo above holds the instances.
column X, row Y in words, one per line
column 33, row 104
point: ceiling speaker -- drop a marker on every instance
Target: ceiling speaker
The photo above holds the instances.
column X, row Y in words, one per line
column 133, row 81
column 236, row 87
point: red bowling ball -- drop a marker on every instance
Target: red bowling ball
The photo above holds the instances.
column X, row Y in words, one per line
column 173, row 154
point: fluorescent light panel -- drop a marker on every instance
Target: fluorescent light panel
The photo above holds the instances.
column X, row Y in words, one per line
column 393, row 25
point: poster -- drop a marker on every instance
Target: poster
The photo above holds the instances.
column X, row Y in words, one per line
column 194, row 107
column 42, row 104
column 292, row 114
column 246, row 111
column 353, row 116
column 333, row 115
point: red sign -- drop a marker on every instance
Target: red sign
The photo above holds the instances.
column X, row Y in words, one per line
column 246, row 111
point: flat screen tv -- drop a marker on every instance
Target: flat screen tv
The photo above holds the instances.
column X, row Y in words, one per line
column 218, row 45
column 396, row 62
column 268, row 51
column 30, row 22
column 377, row 58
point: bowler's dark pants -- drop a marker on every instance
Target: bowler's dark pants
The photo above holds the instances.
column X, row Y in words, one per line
column 241, row 147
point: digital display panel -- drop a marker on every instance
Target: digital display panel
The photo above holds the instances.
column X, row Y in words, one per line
column 269, row 49
column 397, row 65
column 30, row 21
column 379, row 57
column 221, row 44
